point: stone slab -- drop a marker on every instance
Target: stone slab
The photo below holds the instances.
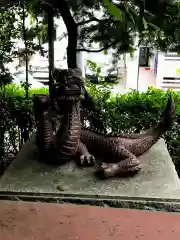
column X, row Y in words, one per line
column 157, row 179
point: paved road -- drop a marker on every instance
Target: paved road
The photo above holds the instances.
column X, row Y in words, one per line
column 28, row 221
column 146, row 79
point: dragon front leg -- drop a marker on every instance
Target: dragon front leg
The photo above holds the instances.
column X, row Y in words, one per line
column 86, row 159
column 44, row 133
column 129, row 166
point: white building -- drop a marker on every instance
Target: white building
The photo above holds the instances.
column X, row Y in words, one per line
column 168, row 73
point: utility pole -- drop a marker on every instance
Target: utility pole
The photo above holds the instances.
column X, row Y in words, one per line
column 141, row 27
column 51, row 54
column 26, row 48
column 137, row 86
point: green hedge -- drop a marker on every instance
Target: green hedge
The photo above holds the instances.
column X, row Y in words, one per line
column 17, row 121
column 129, row 112
column 13, row 90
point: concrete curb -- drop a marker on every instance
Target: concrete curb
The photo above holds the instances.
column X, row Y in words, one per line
column 152, row 204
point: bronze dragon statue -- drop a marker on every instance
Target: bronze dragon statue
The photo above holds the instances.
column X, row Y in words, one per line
column 117, row 154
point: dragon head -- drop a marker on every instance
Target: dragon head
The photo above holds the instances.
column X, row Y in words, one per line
column 68, row 84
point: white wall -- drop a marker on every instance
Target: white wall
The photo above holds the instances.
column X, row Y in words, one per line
column 132, row 71
column 167, row 67
column 160, row 70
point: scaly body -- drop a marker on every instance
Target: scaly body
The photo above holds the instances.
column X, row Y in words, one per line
column 119, row 154
column 68, row 135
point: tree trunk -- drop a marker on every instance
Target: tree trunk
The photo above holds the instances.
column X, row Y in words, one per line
column 71, row 49
column 72, row 32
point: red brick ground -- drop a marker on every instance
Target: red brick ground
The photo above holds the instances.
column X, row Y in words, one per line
column 26, row 221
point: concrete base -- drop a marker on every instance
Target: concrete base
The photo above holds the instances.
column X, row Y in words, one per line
column 157, row 179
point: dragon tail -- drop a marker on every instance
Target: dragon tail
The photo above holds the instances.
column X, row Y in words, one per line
column 147, row 140
column 167, row 118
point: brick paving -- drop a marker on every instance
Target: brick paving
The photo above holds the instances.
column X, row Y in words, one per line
column 26, row 221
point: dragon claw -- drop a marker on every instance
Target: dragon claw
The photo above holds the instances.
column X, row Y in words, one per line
column 87, row 160
column 107, row 170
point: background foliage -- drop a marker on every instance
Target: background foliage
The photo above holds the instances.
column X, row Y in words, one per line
column 129, row 112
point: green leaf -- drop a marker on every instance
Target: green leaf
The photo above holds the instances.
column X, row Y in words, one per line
column 153, row 25
column 106, row 2
column 32, row 20
column 105, row 52
column 144, row 23
column 131, row 16
column 98, row 70
column 115, row 12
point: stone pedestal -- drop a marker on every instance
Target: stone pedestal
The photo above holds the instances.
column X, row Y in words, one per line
column 157, row 179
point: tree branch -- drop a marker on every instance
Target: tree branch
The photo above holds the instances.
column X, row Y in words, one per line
column 94, row 19
column 98, row 50
column 62, row 36
column 66, row 13
column 91, row 50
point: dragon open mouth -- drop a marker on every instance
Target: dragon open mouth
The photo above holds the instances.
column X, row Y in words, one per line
column 68, row 84
column 69, row 93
